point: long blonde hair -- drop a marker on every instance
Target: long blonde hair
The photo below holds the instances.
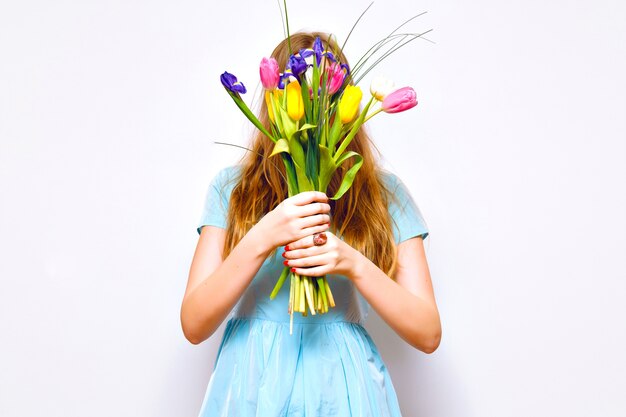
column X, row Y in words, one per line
column 360, row 217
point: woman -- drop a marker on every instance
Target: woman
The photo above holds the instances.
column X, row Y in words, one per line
column 373, row 255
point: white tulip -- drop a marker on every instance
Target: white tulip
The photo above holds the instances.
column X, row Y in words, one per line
column 380, row 87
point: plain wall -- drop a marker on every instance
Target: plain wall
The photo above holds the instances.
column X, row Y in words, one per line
column 516, row 155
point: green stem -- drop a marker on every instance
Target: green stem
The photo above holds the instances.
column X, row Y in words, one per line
column 331, row 299
column 322, row 290
column 291, row 294
column 279, row 283
column 302, row 295
column 353, row 131
column 287, row 26
column 296, row 293
column 372, row 115
column 292, row 178
column 248, row 113
column 309, row 295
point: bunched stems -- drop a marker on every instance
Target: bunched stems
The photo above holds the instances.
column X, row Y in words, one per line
column 304, row 292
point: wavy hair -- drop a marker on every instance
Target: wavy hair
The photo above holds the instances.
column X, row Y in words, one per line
column 361, row 217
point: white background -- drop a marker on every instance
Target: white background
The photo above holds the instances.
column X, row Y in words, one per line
column 516, row 156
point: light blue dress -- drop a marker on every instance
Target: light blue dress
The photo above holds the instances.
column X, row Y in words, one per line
column 328, row 367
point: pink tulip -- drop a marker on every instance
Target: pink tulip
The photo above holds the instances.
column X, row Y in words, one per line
column 269, row 73
column 400, row 100
column 336, row 75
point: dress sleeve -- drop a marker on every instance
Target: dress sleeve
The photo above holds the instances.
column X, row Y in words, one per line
column 406, row 217
column 216, row 200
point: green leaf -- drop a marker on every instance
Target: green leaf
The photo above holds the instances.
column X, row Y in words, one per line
column 304, row 184
column 312, row 161
column 292, row 179
column 297, row 153
column 349, row 176
column 314, row 88
column 323, row 133
column 306, row 99
column 281, row 146
column 299, row 162
column 327, row 167
column 289, row 126
column 306, row 126
column 335, row 132
column 276, row 110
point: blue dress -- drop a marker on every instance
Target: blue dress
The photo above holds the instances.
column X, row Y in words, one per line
column 328, row 367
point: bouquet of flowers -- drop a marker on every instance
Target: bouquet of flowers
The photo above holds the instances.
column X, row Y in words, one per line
column 314, row 106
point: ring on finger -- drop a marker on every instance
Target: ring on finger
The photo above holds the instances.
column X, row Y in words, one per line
column 319, row 239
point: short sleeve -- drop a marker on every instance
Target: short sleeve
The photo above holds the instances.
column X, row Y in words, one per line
column 217, row 196
column 407, row 219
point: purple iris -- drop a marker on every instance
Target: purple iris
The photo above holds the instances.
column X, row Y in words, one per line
column 297, row 65
column 345, row 66
column 318, row 49
column 281, row 79
column 330, row 56
column 306, row 52
column 229, row 81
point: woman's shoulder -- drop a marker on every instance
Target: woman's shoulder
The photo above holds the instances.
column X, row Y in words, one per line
column 229, row 171
column 392, row 182
column 226, row 176
column 218, row 196
column 407, row 217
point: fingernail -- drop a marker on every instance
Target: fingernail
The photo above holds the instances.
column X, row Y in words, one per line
column 286, row 263
column 284, row 256
column 287, row 247
column 293, row 269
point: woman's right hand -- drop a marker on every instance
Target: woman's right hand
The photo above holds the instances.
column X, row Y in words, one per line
column 302, row 215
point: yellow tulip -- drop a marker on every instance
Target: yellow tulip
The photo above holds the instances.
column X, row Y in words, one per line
column 276, row 97
column 349, row 103
column 295, row 106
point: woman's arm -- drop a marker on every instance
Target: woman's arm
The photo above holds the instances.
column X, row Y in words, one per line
column 215, row 285
column 407, row 304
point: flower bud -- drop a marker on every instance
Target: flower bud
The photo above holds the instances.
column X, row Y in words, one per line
column 380, row 87
column 349, row 103
column 295, row 105
column 400, row 100
column 269, row 73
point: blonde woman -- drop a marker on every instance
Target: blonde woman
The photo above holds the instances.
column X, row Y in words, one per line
column 373, row 255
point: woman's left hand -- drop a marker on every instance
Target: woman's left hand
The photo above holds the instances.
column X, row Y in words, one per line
column 333, row 257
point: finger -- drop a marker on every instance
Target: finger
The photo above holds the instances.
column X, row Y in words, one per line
column 310, row 261
column 317, row 271
column 314, row 208
column 307, row 197
column 312, row 230
column 305, row 242
column 294, row 253
column 314, row 220
column 320, row 239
